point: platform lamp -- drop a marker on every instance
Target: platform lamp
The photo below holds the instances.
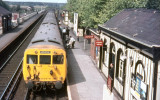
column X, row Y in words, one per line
column 131, row 58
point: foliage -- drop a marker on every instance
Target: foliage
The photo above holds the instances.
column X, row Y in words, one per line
column 94, row 12
column 3, row 4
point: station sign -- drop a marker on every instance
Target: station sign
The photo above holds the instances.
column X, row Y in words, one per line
column 99, row 43
column 88, row 36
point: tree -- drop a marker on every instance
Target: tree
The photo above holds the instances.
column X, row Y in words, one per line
column 3, row 4
column 18, row 8
column 94, row 12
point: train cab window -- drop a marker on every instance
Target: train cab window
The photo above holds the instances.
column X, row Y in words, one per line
column 58, row 59
column 32, row 59
column 45, row 59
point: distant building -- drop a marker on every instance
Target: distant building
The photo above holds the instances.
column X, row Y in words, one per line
column 132, row 44
column 5, row 19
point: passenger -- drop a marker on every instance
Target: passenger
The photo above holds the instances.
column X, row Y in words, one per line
column 77, row 35
column 71, row 42
column 59, row 22
column 67, row 39
column 67, row 31
column 64, row 33
column 111, row 71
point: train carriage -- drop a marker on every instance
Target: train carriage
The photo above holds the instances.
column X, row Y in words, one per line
column 45, row 62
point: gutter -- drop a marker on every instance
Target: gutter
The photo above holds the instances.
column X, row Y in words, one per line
column 150, row 46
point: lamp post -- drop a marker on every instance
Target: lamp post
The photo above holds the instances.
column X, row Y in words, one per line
column 84, row 35
column 85, row 38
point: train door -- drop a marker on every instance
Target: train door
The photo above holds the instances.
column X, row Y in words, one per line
column 101, row 58
column 105, row 59
column 4, row 23
column 1, row 28
column 111, row 66
column 45, row 63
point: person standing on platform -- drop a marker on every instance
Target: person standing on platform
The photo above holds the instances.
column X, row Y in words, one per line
column 111, row 71
column 64, row 33
column 67, row 31
column 71, row 42
column 77, row 35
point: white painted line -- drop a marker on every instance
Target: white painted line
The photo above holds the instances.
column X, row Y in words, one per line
column 68, row 90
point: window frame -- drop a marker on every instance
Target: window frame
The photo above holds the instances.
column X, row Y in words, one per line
column 57, row 63
column 31, row 55
column 45, row 55
column 121, row 67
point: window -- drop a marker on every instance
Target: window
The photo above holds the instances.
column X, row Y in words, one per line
column 45, row 59
column 121, row 65
column 112, row 60
column 58, row 59
column 112, row 55
column 140, row 69
column 105, row 54
column 32, row 59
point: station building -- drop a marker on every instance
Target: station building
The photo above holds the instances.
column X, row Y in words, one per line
column 94, row 49
column 5, row 20
column 131, row 44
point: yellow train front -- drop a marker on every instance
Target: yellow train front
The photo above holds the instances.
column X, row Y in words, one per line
column 45, row 63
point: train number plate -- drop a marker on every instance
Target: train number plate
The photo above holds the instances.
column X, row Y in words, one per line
column 45, row 52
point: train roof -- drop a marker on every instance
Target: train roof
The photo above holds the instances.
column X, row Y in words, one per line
column 48, row 33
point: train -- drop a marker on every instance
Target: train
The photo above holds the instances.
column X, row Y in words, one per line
column 45, row 62
column 17, row 19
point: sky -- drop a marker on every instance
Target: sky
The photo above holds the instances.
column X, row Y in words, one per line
column 51, row 1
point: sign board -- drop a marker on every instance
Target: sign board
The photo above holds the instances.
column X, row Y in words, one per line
column 15, row 16
column 80, row 32
column 88, row 36
column 45, row 52
column 143, row 94
column 138, row 84
column 75, row 23
column 99, row 43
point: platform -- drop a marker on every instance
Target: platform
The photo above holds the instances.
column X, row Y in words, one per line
column 84, row 80
column 8, row 37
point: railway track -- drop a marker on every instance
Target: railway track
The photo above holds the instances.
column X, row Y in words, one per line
column 47, row 95
column 10, row 71
column 10, row 47
column 50, row 95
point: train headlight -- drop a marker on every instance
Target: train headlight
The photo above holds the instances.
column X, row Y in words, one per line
column 51, row 72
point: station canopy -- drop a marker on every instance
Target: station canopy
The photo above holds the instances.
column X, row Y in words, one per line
column 137, row 24
column 3, row 11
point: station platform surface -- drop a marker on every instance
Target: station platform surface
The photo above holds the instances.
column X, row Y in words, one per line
column 7, row 37
column 84, row 80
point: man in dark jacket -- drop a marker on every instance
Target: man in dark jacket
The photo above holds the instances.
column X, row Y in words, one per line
column 111, row 71
column 67, row 31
